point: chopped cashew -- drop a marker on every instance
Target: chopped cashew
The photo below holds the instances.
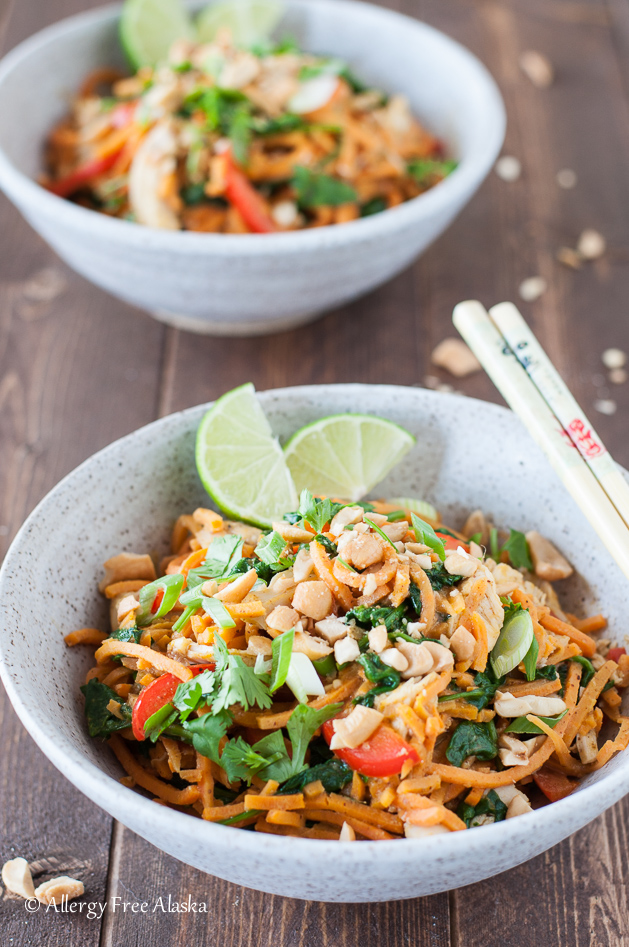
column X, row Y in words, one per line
column 16, row 877
column 127, row 565
column 258, row 644
column 59, row 889
column 455, row 357
column 363, row 550
column 378, row 638
column 236, row 591
column 348, row 516
column 507, row 578
column 313, row 599
column 442, row 656
column 395, row 531
column 519, row 805
column 282, row 618
column 313, row 647
column 587, row 746
column 394, row 659
column 423, row 831
column 506, row 705
column 358, row 726
column 512, row 751
column 332, row 629
column 293, row 534
column 347, row 833
column 548, row 562
column 460, row 563
column 418, row 657
column 303, row 566
column 463, row 643
column 346, row 650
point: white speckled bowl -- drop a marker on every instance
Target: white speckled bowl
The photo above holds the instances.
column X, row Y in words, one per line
column 250, row 284
column 48, row 587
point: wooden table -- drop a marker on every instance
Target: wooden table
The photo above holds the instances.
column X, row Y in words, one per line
column 79, row 369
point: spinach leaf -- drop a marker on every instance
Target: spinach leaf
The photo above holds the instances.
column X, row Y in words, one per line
column 100, row 721
column 375, row 206
column 316, row 190
column 473, row 739
column 440, row 578
column 485, row 686
column 281, row 124
column 490, row 805
column 334, row 774
column 428, row 171
column 548, row 673
column 416, row 598
column 127, row 634
column 518, row 550
column 327, row 544
column 376, row 671
column 370, row 616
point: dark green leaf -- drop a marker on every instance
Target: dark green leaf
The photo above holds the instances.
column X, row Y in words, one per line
column 428, row 171
column 548, row 673
column 127, row 634
column 490, row 805
column 193, row 193
column 367, row 616
column 192, row 694
column 301, row 727
column 518, row 550
column 440, row 578
column 473, row 739
column 159, row 721
column 588, row 669
column 100, row 721
column 334, row 774
column 493, row 543
column 317, row 190
column 375, row 206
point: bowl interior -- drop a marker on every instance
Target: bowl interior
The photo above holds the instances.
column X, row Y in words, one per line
column 127, row 497
column 447, row 87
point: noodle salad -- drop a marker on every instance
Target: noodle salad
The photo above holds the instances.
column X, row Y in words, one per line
column 226, row 139
column 355, row 672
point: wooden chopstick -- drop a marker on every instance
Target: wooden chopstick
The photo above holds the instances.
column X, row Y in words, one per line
column 562, row 403
column 475, row 325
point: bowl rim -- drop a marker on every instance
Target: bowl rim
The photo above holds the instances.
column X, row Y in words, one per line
column 126, row 805
column 464, row 179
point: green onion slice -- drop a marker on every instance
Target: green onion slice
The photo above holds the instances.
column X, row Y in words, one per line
column 158, row 598
column 282, row 649
column 513, row 643
column 522, row 725
column 216, row 610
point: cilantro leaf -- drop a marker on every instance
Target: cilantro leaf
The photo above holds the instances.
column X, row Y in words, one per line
column 270, row 548
column 518, row 549
column 316, row 190
column 301, row 726
column 317, row 512
column 222, row 555
column 192, row 694
column 424, row 533
column 239, row 682
column 100, row 721
column 207, row 732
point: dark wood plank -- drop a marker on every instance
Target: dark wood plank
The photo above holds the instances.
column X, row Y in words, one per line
column 77, row 370
column 240, row 917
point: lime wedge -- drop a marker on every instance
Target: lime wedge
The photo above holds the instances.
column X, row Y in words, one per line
column 421, row 507
column 249, row 21
column 148, row 28
column 345, row 455
column 240, row 463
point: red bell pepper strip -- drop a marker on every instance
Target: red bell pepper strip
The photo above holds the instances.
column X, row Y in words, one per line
column 554, row 785
column 68, row 185
column 383, row 754
column 614, row 653
column 451, row 542
column 241, row 193
column 159, row 692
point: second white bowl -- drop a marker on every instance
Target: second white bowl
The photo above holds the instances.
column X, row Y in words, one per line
column 250, row 284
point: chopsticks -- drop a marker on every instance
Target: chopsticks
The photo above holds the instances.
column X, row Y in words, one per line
column 537, row 394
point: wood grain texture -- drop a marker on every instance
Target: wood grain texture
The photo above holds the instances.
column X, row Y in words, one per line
column 78, row 369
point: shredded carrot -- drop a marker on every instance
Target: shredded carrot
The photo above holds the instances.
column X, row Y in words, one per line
column 85, row 636
column 611, row 747
column 161, row 789
column 538, row 688
column 479, row 630
column 588, row 700
column 154, row 658
column 338, row 818
column 558, row 627
column 125, row 585
column 323, row 566
column 357, row 810
column 294, row 801
column 592, row 624
column 283, row 817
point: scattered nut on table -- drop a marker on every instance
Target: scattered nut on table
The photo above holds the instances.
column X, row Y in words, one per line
column 605, row 406
column 591, row 245
column 508, row 168
column 537, row 68
column 566, row 178
column 455, row 357
column 618, row 376
column 532, row 288
column 570, row 257
column 59, row 889
column 614, row 358
column 16, row 877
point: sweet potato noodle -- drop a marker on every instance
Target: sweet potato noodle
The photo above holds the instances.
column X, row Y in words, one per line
column 227, row 140
column 353, row 673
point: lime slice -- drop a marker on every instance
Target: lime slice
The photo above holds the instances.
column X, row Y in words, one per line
column 249, row 21
column 148, row 28
column 345, row 455
column 421, row 507
column 513, row 643
column 240, row 463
